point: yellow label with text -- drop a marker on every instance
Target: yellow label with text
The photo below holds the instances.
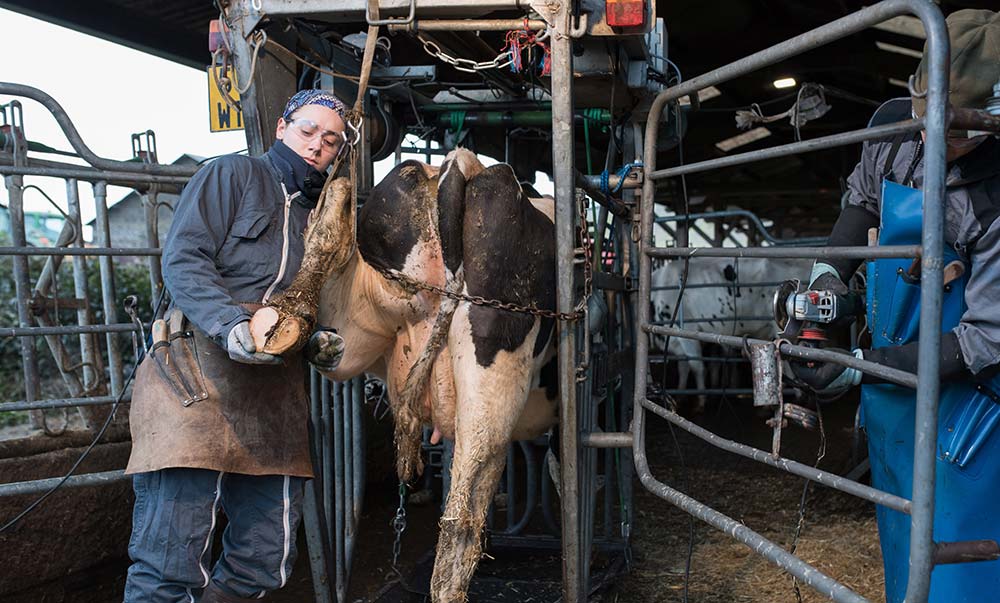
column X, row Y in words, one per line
column 221, row 116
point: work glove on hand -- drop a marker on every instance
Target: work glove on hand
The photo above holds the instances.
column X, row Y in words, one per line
column 325, row 349
column 825, row 277
column 241, row 347
column 827, row 377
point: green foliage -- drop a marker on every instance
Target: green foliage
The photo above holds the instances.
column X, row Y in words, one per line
column 131, row 278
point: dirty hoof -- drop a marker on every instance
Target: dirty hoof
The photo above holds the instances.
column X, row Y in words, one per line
column 325, row 349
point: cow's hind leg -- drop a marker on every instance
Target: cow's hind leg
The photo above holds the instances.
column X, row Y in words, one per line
column 490, row 400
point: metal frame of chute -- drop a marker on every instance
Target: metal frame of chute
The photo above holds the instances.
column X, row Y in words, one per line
column 921, row 507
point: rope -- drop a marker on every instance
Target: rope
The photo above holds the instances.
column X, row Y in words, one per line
column 621, row 173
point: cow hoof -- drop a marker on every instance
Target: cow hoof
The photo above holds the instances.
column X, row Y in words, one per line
column 325, row 349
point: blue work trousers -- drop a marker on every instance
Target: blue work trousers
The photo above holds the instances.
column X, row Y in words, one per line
column 174, row 520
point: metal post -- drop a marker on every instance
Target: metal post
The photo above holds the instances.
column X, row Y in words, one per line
column 22, row 288
column 563, row 171
column 88, row 349
column 928, row 377
column 149, row 208
column 102, row 234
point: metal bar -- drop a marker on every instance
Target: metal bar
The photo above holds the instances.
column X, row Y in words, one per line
column 831, row 480
column 89, row 356
column 337, row 417
column 355, row 9
column 62, row 118
column 22, row 286
column 150, row 209
column 314, row 544
column 470, row 25
column 725, row 285
column 102, row 235
column 90, row 175
column 563, row 171
column 38, row 486
column 771, row 551
column 794, row 148
column 607, row 439
column 594, row 192
column 27, row 250
column 973, row 119
column 744, row 213
column 66, row 330
column 860, row 253
column 734, row 391
column 632, row 180
column 966, row 551
column 326, row 460
column 931, row 294
column 61, row 403
column 872, row 368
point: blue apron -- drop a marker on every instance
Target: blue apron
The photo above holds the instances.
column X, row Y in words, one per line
column 967, row 493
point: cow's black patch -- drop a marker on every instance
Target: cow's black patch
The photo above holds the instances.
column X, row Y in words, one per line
column 729, row 273
column 509, row 254
column 451, row 206
column 395, row 216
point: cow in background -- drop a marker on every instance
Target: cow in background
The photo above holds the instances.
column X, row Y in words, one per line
column 740, row 305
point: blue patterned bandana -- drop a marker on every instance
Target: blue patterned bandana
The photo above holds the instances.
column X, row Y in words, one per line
column 314, row 97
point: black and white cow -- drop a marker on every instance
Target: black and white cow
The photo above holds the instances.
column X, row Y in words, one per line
column 741, row 305
column 466, row 369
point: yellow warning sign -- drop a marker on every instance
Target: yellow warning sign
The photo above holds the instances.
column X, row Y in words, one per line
column 221, row 116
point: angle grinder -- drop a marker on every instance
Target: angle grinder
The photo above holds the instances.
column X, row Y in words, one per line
column 807, row 315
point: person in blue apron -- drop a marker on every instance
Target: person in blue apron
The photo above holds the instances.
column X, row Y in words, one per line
column 884, row 193
column 242, row 448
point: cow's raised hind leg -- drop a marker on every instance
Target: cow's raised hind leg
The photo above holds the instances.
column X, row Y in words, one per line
column 490, row 400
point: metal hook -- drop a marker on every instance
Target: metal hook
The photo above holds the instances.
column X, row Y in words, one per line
column 913, row 89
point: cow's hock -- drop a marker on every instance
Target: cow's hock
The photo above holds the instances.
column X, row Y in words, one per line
column 285, row 323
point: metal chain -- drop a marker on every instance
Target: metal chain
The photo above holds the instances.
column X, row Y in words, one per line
column 478, row 300
column 503, row 59
column 398, row 527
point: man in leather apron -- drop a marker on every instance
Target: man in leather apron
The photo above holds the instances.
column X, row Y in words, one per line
column 243, row 446
column 884, row 193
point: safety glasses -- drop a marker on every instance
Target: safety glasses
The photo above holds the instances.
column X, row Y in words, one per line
column 309, row 130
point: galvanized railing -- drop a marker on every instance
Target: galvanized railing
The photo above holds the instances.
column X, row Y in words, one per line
column 922, row 505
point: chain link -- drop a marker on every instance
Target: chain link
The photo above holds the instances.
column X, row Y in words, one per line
column 408, row 282
column 398, row 527
column 503, row 59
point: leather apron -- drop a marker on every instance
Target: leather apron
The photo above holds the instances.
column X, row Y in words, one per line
column 254, row 420
column 967, row 486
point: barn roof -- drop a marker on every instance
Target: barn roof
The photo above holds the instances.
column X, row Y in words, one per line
column 857, row 73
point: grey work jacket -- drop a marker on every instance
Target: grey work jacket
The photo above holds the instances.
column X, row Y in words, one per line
column 237, row 237
column 972, row 204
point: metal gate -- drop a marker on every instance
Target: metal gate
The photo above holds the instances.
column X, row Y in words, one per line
column 921, row 507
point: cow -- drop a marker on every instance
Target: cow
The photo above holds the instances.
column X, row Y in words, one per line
column 467, row 370
column 714, row 309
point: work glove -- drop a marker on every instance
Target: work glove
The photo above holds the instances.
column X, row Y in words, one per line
column 241, row 347
column 325, row 349
column 825, row 277
column 827, row 377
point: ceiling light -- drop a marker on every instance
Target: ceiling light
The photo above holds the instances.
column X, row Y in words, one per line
column 785, row 82
column 909, row 52
column 745, row 138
